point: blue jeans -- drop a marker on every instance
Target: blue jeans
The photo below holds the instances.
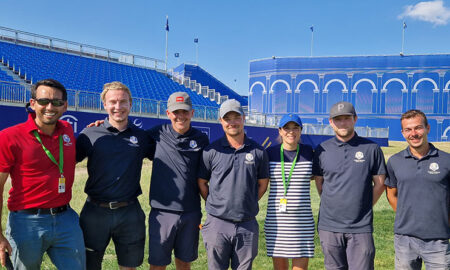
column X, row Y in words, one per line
column 411, row 251
column 59, row 235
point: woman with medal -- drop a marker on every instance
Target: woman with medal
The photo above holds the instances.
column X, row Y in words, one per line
column 289, row 225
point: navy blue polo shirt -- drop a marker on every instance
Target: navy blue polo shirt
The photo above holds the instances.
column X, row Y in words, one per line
column 233, row 178
column 347, row 191
column 114, row 161
column 175, row 163
column 423, row 188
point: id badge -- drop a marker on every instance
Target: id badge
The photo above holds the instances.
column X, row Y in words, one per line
column 283, row 205
column 62, row 184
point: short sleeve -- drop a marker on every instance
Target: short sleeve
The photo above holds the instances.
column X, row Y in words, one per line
column 391, row 180
column 379, row 167
column 204, row 170
column 82, row 146
column 6, row 153
column 263, row 170
column 316, row 168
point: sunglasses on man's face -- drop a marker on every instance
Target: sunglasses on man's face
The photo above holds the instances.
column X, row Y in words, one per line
column 46, row 101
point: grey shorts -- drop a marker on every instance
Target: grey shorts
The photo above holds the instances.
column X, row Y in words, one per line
column 177, row 231
column 351, row 251
column 411, row 251
column 226, row 241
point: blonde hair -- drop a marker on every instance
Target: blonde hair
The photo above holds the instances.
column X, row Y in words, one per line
column 115, row 86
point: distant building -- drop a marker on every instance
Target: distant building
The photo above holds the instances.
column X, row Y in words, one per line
column 380, row 87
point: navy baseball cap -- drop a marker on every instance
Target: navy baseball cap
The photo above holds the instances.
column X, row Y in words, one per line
column 342, row 108
column 290, row 118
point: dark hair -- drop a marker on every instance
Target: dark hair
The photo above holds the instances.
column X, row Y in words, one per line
column 414, row 113
column 50, row 83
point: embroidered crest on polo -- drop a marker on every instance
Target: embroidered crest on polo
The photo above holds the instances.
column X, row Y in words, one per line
column 359, row 156
column 66, row 139
column 133, row 140
column 193, row 144
column 434, row 167
column 249, row 157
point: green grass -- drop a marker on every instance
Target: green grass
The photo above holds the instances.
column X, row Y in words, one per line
column 383, row 222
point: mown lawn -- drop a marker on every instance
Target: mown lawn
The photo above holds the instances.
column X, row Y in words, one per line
column 383, row 221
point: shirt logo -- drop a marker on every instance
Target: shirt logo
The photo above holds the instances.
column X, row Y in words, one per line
column 66, row 140
column 192, row 144
column 249, row 159
column 359, row 157
column 434, row 167
column 133, row 140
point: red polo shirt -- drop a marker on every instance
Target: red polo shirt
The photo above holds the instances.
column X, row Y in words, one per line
column 34, row 176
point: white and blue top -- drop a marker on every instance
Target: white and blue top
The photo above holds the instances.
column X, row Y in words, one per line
column 290, row 234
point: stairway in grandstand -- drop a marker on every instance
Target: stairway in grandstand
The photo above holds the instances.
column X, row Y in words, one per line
column 79, row 72
column 201, row 81
column 6, row 75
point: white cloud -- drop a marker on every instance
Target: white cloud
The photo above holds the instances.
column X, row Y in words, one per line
column 433, row 11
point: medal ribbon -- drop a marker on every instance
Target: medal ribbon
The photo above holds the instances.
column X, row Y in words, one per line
column 49, row 154
column 286, row 183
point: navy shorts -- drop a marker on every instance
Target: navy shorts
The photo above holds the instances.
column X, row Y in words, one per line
column 126, row 227
column 411, row 251
column 177, row 231
column 351, row 251
column 227, row 241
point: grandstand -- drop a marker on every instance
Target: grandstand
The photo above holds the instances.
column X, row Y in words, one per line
column 83, row 73
column 83, row 69
column 380, row 87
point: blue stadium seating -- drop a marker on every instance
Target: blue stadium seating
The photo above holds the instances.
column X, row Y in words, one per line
column 82, row 73
column 201, row 76
column 5, row 77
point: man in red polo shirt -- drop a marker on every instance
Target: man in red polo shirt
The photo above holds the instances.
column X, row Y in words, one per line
column 39, row 155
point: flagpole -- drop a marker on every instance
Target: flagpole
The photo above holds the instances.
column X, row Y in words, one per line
column 196, row 50
column 403, row 36
column 167, row 39
column 312, row 39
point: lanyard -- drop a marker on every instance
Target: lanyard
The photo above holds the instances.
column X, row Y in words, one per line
column 50, row 156
column 286, row 184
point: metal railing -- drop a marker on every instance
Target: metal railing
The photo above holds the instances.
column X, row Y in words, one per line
column 272, row 120
column 77, row 100
column 60, row 45
column 91, row 101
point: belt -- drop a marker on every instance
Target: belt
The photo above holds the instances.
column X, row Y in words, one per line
column 235, row 221
column 110, row 205
column 42, row 211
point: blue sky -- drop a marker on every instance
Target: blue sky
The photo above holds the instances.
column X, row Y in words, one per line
column 231, row 33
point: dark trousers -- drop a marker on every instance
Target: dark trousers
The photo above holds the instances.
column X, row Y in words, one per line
column 347, row 251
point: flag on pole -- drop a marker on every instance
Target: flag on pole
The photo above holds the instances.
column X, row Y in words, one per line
column 404, row 25
column 195, row 40
column 312, row 28
column 167, row 23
